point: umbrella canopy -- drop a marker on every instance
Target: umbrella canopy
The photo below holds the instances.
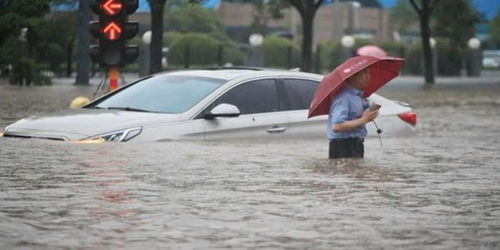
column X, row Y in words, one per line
column 371, row 50
column 382, row 70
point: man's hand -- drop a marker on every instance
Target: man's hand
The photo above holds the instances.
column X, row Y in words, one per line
column 369, row 115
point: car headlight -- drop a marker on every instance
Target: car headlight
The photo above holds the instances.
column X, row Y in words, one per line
column 116, row 136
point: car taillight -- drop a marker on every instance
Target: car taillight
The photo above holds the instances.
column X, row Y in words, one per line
column 409, row 117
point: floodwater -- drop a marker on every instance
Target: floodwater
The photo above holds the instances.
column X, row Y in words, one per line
column 437, row 190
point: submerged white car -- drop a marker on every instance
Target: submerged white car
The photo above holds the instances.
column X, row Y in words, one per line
column 204, row 105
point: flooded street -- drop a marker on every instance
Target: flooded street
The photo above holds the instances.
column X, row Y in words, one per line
column 437, row 190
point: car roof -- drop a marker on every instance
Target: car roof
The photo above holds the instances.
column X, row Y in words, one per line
column 232, row 73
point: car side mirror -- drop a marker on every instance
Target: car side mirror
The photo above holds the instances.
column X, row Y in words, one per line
column 222, row 110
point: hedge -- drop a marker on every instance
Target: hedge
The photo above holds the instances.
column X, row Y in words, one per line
column 449, row 59
column 201, row 49
column 280, row 52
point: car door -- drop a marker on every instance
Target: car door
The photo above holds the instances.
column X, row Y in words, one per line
column 259, row 117
column 295, row 98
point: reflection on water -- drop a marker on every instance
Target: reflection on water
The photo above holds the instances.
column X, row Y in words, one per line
column 436, row 190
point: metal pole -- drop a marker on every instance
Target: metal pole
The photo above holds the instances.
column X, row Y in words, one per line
column 113, row 76
column 83, row 58
column 220, row 55
column 187, row 55
column 289, row 56
column 69, row 52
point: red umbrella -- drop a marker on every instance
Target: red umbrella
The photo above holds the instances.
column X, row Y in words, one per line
column 382, row 70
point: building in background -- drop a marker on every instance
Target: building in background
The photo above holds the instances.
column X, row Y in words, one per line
column 361, row 19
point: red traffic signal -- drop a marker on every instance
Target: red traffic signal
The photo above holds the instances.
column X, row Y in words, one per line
column 111, row 7
column 112, row 30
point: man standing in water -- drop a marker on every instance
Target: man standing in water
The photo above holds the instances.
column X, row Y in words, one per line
column 348, row 116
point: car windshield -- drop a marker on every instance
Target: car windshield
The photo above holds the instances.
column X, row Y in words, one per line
column 162, row 93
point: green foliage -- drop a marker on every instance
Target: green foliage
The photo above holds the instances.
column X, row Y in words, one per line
column 394, row 49
column 56, row 35
column 232, row 54
column 11, row 50
column 449, row 58
column 27, row 72
column 14, row 16
column 494, row 26
column 169, row 37
column 186, row 18
column 30, row 8
column 201, row 49
column 60, row 28
column 10, row 26
column 402, row 15
column 414, row 60
column 331, row 55
column 53, row 54
column 459, row 26
column 276, row 52
column 197, row 36
column 135, row 41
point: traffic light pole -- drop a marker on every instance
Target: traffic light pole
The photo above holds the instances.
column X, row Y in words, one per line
column 83, row 60
column 112, row 31
column 113, row 76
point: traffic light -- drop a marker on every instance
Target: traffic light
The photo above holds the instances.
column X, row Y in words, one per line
column 112, row 30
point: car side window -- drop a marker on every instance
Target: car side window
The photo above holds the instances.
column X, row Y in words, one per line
column 252, row 97
column 299, row 93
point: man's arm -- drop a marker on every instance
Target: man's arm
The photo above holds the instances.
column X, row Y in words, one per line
column 367, row 116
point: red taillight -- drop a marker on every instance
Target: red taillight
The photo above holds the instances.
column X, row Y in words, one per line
column 409, row 117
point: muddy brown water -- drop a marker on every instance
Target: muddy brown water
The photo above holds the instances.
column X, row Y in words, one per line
column 436, row 190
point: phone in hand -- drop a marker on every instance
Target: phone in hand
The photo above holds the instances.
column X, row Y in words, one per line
column 374, row 107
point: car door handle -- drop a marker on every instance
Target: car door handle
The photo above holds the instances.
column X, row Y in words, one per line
column 276, row 129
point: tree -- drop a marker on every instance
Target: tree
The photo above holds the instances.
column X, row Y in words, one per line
column 403, row 15
column 307, row 10
column 424, row 9
column 453, row 31
column 188, row 18
column 494, row 26
column 57, row 39
column 459, row 26
column 22, row 18
column 16, row 15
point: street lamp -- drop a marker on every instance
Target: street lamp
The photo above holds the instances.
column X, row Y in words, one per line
column 255, row 41
column 146, row 37
column 474, row 43
column 347, row 43
column 473, row 60
column 22, row 36
column 432, row 42
column 144, row 67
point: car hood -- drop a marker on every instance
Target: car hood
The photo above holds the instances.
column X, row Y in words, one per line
column 76, row 124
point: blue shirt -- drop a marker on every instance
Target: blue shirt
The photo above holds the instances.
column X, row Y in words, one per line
column 347, row 105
